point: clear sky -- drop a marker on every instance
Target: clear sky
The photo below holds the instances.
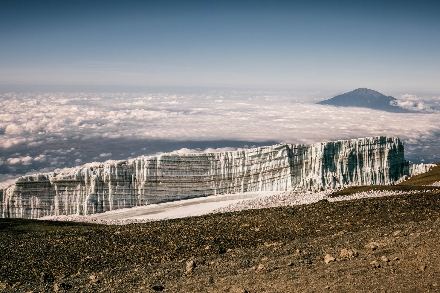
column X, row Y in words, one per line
column 382, row 45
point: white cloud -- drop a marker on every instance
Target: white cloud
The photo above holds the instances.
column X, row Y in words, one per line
column 13, row 161
column 39, row 120
column 13, row 129
column 35, row 143
column 27, row 160
column 40, row 158
column 8, row 142
column 412, row 102
column 200, row 151
column 185, row 151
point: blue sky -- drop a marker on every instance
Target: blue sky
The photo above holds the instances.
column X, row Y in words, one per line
column 259, row 65
column 340, row 45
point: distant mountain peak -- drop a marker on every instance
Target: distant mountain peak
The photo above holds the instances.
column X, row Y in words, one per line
column 365, row 98
column 365, row 91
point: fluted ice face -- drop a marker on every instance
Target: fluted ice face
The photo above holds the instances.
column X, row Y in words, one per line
column 120, row 184
column 365, row 161
column 145, row 180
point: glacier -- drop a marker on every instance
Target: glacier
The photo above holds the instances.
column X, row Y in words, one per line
column 101, row 187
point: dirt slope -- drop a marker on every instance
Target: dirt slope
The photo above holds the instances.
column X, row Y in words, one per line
column 378, row 245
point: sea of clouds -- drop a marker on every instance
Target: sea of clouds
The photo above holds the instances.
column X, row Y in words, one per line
column 41, row 132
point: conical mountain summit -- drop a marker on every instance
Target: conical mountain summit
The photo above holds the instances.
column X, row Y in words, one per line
column 365, row 98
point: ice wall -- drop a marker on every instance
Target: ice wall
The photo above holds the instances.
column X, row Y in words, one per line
column 364, row 161
column 101, row 187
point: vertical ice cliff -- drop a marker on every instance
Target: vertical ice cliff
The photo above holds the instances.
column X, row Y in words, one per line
column 364, row 161
column 101, row 187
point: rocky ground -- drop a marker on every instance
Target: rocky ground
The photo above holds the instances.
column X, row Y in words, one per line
column 387, row 244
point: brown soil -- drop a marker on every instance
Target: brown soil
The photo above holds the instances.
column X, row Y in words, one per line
column 268, row 250
column 425, row 178
column 379, row 245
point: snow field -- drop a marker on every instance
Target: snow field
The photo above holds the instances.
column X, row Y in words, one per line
column 217, row 204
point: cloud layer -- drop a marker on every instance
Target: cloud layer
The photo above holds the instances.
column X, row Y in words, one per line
column 45, row 131
column 415, row 103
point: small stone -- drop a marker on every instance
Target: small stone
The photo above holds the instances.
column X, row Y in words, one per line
column 47, row 277
column 290, row 264
column 94, row 278
column 190, row 266
column 65, row 286
column 328, row 258
column 422, row 268
column 375, row 264
column 260, row 267
column 221, row 250
column 340, row 233
column 56, row 287
column 397, row 232
column 348, row 253
column 238, row 290
column 157, row 288
column 16, row 284
column 371, row 246
column 396, row 258
column 384, row 258
column 3, row 286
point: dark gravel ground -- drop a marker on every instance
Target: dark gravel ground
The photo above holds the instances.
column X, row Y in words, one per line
column 267, row 250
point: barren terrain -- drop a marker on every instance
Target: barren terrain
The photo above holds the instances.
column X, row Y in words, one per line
column 387, row 244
